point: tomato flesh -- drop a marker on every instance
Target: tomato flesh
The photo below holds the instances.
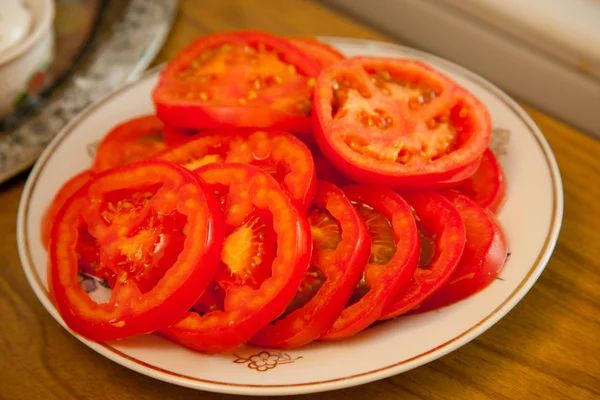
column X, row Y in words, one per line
column 257, row 282
column 242, row 79
column 122, row 232
column 482, row 259
column 340, row 253
column 397, row 122
column 487, row 187
column 280, row 154
column 444, row 231
column 391, row 264
column 323, row 53
column 133, row 140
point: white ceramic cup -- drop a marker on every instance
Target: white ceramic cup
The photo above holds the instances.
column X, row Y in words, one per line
column 23, row 66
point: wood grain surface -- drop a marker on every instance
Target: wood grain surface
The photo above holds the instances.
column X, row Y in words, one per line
column 546, row 348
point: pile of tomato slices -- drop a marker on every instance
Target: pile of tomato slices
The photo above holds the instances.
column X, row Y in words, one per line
column 281, row 194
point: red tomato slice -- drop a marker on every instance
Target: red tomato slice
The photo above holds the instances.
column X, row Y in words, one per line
column 317, row 50
column 65, row 192
column 442, row 243
column 174, row 136
column 241, row 79
column 397, row 122
column 393, row 260
column 132, row 140
column 129, row 211
column 265, row 255
column 488, row 185
column 341, row 246
column 482, row 260
column 281, row 154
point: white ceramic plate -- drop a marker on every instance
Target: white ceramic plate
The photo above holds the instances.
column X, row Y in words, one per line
column 531, row 218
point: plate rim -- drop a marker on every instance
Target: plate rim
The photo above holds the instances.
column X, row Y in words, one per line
column 332, row 384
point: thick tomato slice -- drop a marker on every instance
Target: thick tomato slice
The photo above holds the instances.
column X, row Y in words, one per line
column 488, row 185
column 482, row 259
column 265, row 255
column 144, row 220
column 397, row 122
column 240, row 79
column 442, row 241
column 319, row 51
column 132, row 140
column 393, row 259
column 341, row 250
column 67, row 190
column 280, row 154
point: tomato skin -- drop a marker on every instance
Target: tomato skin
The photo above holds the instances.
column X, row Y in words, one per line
column 342, row 268
column 133, row 140
column 175, row 108
column 129, row 311
column 487, row 187
column 386, row 280
column 67, row 190
column 277, row 152
column 322, row 52
column 247, row 310
column 331, row 133
column 482, row 260
column 439, row 218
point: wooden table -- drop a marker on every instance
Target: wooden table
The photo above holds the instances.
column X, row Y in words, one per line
column 547, row 347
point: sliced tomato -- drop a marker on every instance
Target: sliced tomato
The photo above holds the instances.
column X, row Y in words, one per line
column 393, row 259
column 319, row 51
column 174, row 136
column 341, row 245
column 132, row 140
column 145, row 220
column 67, row 190
column 281, row 154
column 265, row 255
column 442, row 241
column 397, row 122
column 488, row 185
column 482, row 259
column 240, row 79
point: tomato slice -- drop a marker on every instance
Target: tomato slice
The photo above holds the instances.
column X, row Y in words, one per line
column 488, row 185
column 442, row 243
column 393, row 259
column 132, row 140
column 265, row 255
column 341, row 246
column 240, row 79
column 67, row 190
column 482, row 259
column 281, row 154
column 323, row 53
column 397, row 122
column 174, row 136
column 129, row 211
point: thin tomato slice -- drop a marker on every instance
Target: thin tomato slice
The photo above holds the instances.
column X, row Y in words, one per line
column 323, row 53
column 482, row 259
column 488, row 185
column 128, row 211
column 240, row 79
column 265, row 255
column 443, row 238
column 67, row 190
column 280, row 154
column 132, row 140
column 393, row 259
column 341, row 245
column 174, row 136
column 397, row 122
